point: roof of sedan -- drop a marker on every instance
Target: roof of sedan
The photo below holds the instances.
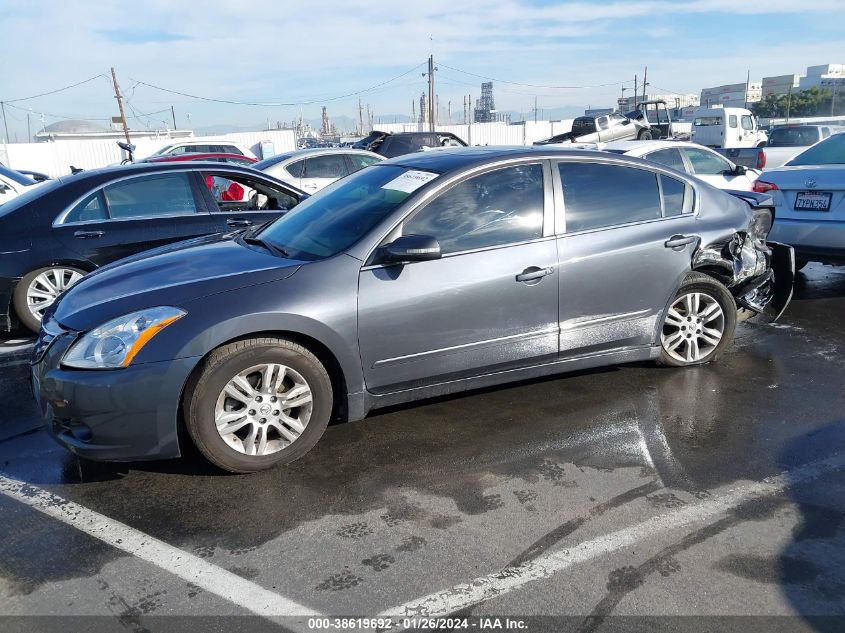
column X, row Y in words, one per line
column 454, row 158
column 140, row 168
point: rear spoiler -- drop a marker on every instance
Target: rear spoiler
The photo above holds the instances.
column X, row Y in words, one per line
column 754, row 199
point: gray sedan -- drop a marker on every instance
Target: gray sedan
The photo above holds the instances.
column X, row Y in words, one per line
column 428, row 274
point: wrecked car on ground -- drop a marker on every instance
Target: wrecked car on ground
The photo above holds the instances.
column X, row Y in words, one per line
column 428, row 274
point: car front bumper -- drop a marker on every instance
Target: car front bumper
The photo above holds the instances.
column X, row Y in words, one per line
column 814, row 241
column 115, row 415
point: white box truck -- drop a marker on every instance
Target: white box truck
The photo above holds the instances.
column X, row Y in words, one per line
column 726, row 128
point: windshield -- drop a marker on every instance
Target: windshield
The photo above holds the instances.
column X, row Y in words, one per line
column 830, row 151
column 269, row 162
column 793, row 136
column 707, row 120
column 341, row 214
column 18, row 177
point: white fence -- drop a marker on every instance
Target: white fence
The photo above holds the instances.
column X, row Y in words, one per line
column 54, row 158
column 524, row 133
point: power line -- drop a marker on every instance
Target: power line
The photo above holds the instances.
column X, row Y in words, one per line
column 58, row 116
column 279, row 104
column 50, row 92
column 516, row 83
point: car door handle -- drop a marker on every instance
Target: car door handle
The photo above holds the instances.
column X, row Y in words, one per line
column 88, row 234
column 679, row 241
column 533, row 273
column 238, row 222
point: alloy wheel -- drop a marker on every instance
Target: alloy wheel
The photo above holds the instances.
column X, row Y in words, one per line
column 693, row 328
column 46, row 287
column 263, row 409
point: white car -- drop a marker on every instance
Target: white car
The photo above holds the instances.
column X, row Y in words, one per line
column 691, row 158
column 204, row 147
column 809, row 194
column 13, row 184
column 313, row 169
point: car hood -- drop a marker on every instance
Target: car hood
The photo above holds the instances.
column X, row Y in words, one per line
column 171, row 275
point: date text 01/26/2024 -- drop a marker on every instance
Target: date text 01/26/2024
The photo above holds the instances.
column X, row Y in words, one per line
column 428, row 624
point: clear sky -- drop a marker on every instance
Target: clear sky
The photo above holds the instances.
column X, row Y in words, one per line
column 291, row 51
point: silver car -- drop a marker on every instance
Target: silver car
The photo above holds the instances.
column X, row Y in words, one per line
column 427, row 274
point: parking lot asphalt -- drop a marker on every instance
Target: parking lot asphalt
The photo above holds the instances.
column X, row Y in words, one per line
column 626, row 491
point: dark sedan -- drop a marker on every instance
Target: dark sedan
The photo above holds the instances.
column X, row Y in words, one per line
column 65, row 228
column 428, row 274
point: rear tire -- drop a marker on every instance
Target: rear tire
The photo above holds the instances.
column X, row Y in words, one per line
column 699, row 323
column 258, row 403
column 644, row 135
column 38, row 290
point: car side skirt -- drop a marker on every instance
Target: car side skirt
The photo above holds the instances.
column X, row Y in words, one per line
column 361, row 403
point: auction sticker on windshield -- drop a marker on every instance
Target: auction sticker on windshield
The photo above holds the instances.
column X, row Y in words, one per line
column 410, row 181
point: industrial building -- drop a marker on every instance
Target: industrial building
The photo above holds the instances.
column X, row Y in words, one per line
column 732, row 95
column 824, row 76
column 780, row 85
column 673, row 101
column 485, row 109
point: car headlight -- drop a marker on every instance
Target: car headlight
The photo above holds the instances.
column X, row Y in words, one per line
column 115, row 343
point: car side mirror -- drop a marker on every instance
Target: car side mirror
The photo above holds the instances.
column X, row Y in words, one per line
column 739, row 170
column 626, row 122
column 4, row 187
column 410, row 248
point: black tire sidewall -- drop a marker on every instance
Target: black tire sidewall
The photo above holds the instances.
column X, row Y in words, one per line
column 199, row 415
column 19, row 296
column 717, row 291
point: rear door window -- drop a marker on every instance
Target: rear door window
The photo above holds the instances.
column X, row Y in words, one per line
column 597, row 195
column 151, row 196
column 91, row 209
column 675, row 194
column 329, row 166
column 670, row 157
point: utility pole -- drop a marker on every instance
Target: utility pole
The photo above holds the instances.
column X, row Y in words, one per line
column 635, row 92
column 413, row 111
column 645, row 81
column 747, row 85
column 5, row 125
column 449, row 105
column 833, row 96
column 173, row 114
column 119, row 98
column 28, row 129
column 360, row 117
column 535, row 108
column 788, row 102
column 623, row 96
column 431, row 105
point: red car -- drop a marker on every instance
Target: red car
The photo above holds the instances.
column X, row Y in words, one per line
column 235, row 159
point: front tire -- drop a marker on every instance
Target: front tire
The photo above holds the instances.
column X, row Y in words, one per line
column 258, row 403
column 699, row 323
column 38, row 290
column 644, row 135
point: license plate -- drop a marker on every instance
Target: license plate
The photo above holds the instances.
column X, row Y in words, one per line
column 812, row 201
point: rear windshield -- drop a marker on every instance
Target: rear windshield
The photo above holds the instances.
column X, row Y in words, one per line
column 336, row 217
column 269, row 162
column 793, row 136
column 707, row 120
column 584, row 125
column 830, row 151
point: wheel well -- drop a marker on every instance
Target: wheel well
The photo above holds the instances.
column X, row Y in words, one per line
column 323, row 354
column 717, row 273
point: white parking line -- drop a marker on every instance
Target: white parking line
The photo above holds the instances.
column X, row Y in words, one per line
column 450, row 600
column 213, row 579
